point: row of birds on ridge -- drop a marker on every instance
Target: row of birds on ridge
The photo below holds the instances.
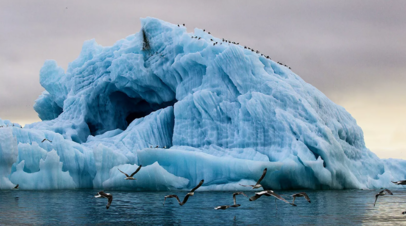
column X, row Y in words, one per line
column 11, row 126
column 236, row 43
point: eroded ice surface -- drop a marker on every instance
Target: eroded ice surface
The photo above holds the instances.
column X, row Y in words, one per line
column 224, row 112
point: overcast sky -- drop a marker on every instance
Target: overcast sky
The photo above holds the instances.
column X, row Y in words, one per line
column 354, row 52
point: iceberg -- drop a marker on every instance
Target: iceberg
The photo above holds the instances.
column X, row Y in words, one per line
column 186, row 109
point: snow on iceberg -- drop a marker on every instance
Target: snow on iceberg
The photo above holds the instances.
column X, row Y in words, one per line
column 224, row 112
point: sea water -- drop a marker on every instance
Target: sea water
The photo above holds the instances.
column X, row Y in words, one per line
column 78, row 207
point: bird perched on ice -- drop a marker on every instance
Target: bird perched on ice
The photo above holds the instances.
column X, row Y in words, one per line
column 108, row 196
column 258, row 184
column 191, row 193
column 301, row 194
column 235, row 202
column 401, row 182
column 183, row 24
column 382, row 193
column 45, row 140
column 131, row 176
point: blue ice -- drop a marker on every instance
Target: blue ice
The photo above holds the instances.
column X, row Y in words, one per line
column 220, row 113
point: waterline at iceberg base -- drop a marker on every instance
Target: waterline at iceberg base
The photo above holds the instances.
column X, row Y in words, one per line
column 224, row 113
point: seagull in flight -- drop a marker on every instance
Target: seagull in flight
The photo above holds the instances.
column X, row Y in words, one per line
column 269, row 193
column 131, row 176
column 235, row 202
column 17, row 186
column 382, row 193
column 191, row 193
column 301, row 194
column 102, row 194
column 45, row 140
column 258, row 184
column 401, row 182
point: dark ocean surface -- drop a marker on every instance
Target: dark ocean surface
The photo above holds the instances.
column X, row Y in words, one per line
column 79, row 207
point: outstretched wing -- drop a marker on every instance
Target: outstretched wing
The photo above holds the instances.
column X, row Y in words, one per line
column 246, row 185
column 184, row 200
column 255, row 197
column 43, row 140
column 16, row 186
column 238, row 193
column 280, row 198
column 389, row 192
column 123, row 172
column 262, row 177
column 102, row 193
column 110, row 199
column 376, row 198
column 171, row 196
column 195, row 188
column 306, row 196
column 136, row 170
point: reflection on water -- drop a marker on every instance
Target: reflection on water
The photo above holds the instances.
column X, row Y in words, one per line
column 73, row 207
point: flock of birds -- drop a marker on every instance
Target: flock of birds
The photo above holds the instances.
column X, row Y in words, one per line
column 235, row 43
column 10, row 126
column 257, row 195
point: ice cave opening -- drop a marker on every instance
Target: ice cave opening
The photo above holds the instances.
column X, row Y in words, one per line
column 119, row 111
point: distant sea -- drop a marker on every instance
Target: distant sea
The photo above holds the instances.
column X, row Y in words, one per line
column 79, row 207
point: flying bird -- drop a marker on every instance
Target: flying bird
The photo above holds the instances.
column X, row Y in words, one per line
column 301, row 194
column 108, row 196
column 401, row 182
column 269, row 193
column 221, row 207
column 17, row 186
column 235, row 202
column 45, row 140
column 130, row 177
column 258, row 184
column 191, row 193
column 382, row 193
column 235, row 199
